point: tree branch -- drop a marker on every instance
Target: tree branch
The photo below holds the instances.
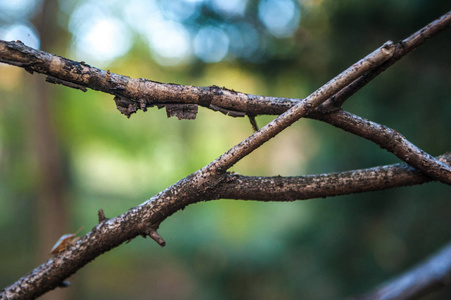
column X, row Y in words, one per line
column 141, row 93
column 390, row 140
column 428, row 276
column 133, row 94
column 144, row 219
column 403, row 48
column 279, row 188
column 303, row 108
column 150, row 93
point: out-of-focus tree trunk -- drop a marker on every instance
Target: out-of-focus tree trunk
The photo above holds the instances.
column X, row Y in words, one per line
column 51, row 215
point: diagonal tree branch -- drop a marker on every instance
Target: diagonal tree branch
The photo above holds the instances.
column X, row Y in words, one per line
column 149, row 93
column 433, row 273
column 113, row 232
column 402, row 48
column 390, row 140
column 303, row 108
column 145, row 219
column 200, row 186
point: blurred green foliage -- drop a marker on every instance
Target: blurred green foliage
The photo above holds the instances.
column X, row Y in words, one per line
column 317, row 249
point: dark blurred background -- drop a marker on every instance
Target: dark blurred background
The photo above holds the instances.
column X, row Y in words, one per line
column 64, row 154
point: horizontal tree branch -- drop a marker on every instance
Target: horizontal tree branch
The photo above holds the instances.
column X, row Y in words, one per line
column 428, row 276
column 200, row 186
column 134, row 94
column 280, row 188
column 149, row 93
column 144, row 219
column 142, row 93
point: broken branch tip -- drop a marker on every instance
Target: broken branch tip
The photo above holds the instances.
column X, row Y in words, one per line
column 156, row 237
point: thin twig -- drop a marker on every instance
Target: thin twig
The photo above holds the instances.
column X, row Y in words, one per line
column 402, row 48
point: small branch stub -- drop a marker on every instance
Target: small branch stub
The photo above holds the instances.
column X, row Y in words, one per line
column 156, row 237
column 253, row 122
column 101, row 215
column 205, row 181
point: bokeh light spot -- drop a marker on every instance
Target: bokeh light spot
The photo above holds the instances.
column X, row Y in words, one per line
column 178, row 10
column 230, row 7
column 22, row 32
column 281, row 17
column 16, row 9
column 211, row 44
column 244, row 40
column 98, row 35
column 170, row 41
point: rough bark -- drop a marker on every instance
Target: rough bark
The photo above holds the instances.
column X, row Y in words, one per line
column 279, row 188
column 212, row 181
column 134, row 94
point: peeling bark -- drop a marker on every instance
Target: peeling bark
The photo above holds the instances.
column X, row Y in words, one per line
column 212, row 181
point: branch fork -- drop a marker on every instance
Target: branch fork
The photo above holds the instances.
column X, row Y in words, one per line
column 212, row 181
